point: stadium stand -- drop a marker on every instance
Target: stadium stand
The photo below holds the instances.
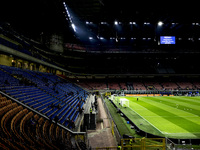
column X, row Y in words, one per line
column 123, row 86
column 46, row 93
column 185, row 85
column 21, row 129
column 59, row 100
column 141, row 84
column 169, row 85
column 113, row 85
column 40, row 110
column 153, row 86
column 138, row 86
column 196, row 85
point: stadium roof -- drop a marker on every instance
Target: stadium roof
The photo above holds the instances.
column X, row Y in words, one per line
column 34, row 17
column 116, row 24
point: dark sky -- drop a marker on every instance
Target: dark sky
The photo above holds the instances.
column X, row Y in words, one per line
column 32, row 16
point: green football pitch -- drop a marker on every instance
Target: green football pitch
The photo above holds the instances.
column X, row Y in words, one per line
column 173, row 117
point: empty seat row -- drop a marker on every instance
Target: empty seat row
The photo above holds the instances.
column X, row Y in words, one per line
column 44, row 91
column 22, row 129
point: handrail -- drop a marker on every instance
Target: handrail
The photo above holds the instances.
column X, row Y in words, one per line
column 60, row 125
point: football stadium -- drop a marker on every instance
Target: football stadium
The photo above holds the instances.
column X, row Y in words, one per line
column 99, row 75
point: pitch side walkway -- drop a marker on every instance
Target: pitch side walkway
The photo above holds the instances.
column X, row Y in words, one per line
column 86, row 108
column 102, row 136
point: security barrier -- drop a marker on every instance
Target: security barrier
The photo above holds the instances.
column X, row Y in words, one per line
column 143, row 144
column 138, row 144
column 105, row 148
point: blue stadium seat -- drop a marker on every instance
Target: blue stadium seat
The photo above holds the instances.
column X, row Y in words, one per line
column 41, row 91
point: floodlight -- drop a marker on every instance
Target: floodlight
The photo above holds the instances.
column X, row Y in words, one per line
column 132, row 22
column 116, row 23
column 103, row 22
column 74, row 27
column 160, row 23
column 147, row 23
column 87, row 22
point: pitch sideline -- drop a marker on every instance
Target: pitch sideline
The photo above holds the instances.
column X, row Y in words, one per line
column 145, row 119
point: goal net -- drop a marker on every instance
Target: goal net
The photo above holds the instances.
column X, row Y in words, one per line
column 113, row 97
column 124, row 102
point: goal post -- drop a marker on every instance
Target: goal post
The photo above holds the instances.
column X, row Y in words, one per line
column 124, row 102
column 113, row 97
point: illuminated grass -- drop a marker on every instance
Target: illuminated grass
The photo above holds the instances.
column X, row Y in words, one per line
column 120, row 122
column 174, row 117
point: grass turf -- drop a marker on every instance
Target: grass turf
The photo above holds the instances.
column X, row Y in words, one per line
column 120, row 122
column 173, row 117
